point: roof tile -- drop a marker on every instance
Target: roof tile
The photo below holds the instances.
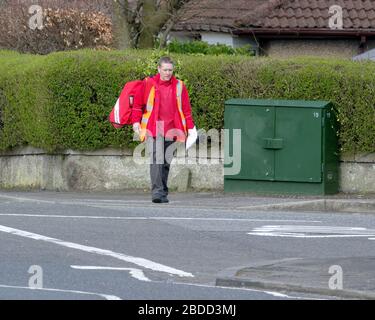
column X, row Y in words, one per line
column 322, row 4
column 293, row 22
column 368, row 5
column 365, row 24
column 362, row 15
column 353, row 14
column 321, row 23
column 356, row 23
column 371, row 16
column 358, row 5
column 314, row 5
column 304, row 4
column 290, row 12
column 283, row 22
column 349, row 5
column 307, row 13
column 311, row 23
column 316, row 13
column 299, row 13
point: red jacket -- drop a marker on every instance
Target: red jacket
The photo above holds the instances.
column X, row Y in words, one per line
column 139, row 108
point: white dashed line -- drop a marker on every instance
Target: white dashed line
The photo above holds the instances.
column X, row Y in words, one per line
column 295, row 231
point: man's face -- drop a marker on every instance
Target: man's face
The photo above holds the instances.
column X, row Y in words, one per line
column 166, row 71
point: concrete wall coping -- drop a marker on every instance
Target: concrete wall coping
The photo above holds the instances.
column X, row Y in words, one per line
column 359, row 158
column 24, row 151
column 28, row 150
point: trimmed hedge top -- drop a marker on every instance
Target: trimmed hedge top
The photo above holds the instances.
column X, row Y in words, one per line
column 62, row 100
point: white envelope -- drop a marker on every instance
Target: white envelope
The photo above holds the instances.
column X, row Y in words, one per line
column 192, row 137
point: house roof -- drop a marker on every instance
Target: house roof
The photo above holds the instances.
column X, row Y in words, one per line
column 213, row 15
column 310, row 14
column 274, row 15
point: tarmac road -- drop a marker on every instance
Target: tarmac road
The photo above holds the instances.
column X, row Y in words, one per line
column 121, row 246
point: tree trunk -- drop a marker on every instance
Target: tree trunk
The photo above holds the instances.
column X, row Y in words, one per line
column 148, row 28
column 140, row 25
column 121, row 30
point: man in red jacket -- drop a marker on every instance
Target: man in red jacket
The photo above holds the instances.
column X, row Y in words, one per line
column 162, row 116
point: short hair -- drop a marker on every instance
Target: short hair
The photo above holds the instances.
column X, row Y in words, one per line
column 165, row 60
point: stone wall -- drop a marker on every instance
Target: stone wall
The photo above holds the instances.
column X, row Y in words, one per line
column 109, row 169
column 357, row 173
column 113, row 169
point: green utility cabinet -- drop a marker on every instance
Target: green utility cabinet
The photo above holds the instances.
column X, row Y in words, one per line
column 287, row 146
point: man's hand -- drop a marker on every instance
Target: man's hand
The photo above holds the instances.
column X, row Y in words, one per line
column 137, row 128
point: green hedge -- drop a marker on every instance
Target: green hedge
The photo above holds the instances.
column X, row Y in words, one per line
column 62, row 100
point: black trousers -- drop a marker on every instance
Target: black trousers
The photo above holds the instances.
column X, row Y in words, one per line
column 160, row 160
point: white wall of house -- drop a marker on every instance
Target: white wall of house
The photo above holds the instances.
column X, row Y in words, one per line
column 217, row 37
column 227, row 38
column 367, row 55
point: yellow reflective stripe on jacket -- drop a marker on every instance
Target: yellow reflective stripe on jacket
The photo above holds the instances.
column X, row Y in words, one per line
column 147, row 114
column 179, row 104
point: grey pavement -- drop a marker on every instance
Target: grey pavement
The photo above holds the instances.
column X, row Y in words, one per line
column 308, row 276
column 351, row 203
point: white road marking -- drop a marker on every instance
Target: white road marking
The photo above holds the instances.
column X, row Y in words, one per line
column 148, row 264
column 293, row 231
column 135, row 273
column 26, row 199
column 277, row 294
column 105, row 296
column 151, row 218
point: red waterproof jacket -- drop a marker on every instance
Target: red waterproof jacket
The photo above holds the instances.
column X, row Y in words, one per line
column 146, row 108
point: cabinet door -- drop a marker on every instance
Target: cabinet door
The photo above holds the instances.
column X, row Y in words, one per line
column 256, row 124
column 300, row 159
